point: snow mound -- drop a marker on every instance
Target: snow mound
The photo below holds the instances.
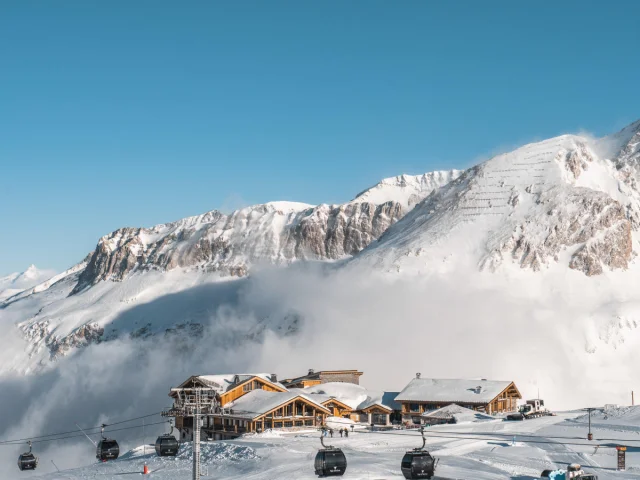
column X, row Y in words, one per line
column 461, row 414
column 614, row 414
column 218, row 452
column 337, row 422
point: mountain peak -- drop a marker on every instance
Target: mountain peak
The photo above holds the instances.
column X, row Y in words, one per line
column 407, row 190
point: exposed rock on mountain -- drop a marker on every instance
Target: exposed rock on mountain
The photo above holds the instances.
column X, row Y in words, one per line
column 275, row 233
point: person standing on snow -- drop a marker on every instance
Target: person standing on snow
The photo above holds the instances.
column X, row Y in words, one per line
column 340, row 433
column 331, row 432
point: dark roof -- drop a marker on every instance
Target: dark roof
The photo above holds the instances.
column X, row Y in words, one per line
column 389, row 400
column 316, row 375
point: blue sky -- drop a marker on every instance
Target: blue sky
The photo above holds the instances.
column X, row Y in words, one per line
column 135, row 113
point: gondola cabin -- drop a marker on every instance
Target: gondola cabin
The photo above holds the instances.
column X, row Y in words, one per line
column 107, row 449
column 330, row 462
column 418, row 464
column 27, row 461
column 167, row 446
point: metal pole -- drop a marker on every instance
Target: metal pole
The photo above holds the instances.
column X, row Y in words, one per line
column 196, row 438
column 590, row 435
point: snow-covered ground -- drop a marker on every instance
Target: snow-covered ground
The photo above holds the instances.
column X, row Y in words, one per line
column 478, row 450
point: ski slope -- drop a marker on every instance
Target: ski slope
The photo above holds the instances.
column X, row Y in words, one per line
column 478, row 451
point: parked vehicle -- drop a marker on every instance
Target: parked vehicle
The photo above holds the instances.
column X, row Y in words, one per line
column 531, row 409
column 573, row 472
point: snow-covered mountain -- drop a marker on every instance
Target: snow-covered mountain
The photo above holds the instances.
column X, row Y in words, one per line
column 570, row 199
column 570, row 203
column 275, row 233
column 134, row 267
column 18, row 282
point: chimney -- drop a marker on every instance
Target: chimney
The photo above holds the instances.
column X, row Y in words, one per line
column 418, row 375
column 274, row 378
column 311, row 372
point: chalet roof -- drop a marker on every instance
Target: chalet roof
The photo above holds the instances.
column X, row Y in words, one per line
column 389, row 400
column 452, row 390
column 225, row 382
column 354, row 396
column 259, row 402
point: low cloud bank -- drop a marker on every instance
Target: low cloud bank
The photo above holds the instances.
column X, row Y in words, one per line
column 572, row 338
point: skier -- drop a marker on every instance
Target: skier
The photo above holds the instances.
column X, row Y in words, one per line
column 340, row 433
column 346, row 433
column 331, row 432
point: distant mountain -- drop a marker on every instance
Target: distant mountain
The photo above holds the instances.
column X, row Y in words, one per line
column 17, row 282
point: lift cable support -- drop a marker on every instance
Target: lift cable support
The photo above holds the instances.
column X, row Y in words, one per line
column 88, row 437
column 193, row 402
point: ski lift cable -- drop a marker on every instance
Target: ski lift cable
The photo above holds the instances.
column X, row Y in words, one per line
column 77, row 435
column 523, row 435
column 465, row 436
column 2, row 442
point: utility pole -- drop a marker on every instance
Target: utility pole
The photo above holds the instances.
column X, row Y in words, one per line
column 590, row 435
column 193, row 402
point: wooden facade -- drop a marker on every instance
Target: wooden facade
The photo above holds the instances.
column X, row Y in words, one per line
column 338, row 408
column 296, row 412
column 247, row 386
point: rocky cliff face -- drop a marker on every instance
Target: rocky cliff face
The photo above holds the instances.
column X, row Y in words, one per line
column 274, row 233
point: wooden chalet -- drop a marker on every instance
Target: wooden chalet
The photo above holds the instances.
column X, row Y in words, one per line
column 227, row 388
column 423, row 395
column 313, row 378
column 262, row 410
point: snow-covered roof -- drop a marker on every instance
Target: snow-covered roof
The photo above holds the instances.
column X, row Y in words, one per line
column 452, row 390
column 259, row 402
column 224, row 382
column 355, row 396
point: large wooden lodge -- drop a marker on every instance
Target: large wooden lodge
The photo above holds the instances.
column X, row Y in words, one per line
column 248, row 403
column 423, row 395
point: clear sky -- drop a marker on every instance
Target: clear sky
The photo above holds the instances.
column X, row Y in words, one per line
column 128, row 113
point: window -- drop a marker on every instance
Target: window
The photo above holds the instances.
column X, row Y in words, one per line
column 308, row 423
column 288, row 424
column 277, row 424
column 246, row 387
column 299, row 423
column 414, row 407
column 288, row 410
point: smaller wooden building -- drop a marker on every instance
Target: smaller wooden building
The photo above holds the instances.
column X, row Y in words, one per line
column 313, row 378
column 426, row 394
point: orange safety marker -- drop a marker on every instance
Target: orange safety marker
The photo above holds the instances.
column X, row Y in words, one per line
column 146, row 470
